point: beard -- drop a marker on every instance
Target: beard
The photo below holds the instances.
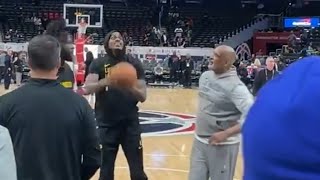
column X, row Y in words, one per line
column 117, row 53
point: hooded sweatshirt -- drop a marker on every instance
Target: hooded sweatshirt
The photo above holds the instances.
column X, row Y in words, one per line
column 7, row 160
column 223, row 100
column 281, row 137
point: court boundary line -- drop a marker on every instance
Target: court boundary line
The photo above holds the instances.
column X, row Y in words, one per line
column 155, row 168
column 169, row 134
column 166, row 155
column 161, row 169
column 162, row 155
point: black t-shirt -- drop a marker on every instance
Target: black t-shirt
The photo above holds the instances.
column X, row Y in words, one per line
column 112, row 104
column 53, row 131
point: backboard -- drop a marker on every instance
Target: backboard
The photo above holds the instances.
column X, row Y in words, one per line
column 92, row 14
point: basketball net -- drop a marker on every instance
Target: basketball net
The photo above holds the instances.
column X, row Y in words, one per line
column 82, row 28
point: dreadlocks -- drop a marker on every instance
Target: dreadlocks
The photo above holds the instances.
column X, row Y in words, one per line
column 57, row 29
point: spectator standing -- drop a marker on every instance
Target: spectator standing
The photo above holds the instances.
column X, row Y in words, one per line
column 181, row 42
column 174, row 65
column 204, row 64
column 265, row 75
column 187, row 66
column 18, row 64
column 8, row 70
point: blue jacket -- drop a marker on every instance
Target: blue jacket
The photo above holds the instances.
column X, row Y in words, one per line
column 281, row 135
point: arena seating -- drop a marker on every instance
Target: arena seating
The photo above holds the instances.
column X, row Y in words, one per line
column 212, row 23
column 14, row 17
column 115, row 17
column 314, row 36
column 123, row 18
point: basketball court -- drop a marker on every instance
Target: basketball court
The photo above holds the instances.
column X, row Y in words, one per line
column 168, row 135
column 167, row 119
column 168, row 122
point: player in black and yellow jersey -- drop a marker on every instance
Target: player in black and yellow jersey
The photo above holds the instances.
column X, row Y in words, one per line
column 116, row 109
column 57, row 29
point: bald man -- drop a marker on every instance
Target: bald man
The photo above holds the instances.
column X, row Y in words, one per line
column 223, row 102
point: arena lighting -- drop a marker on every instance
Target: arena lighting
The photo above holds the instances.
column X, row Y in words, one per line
column 260, row 6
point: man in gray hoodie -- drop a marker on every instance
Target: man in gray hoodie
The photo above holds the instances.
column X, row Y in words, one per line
column 223, row 102
column 7, row 160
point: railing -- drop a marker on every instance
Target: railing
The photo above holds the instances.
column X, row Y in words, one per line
column 273, row 20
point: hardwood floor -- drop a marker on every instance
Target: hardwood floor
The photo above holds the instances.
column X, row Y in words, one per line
column 166, row 155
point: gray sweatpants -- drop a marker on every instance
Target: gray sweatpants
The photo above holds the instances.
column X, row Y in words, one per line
column 216, row 162
column 18, row 78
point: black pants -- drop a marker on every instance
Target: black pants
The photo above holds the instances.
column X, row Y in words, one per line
column 128, row 135
column 180, row 77
column 187, row 78
column 7, row 80
column 2, row 72
column 157, row 78
column 173, row 76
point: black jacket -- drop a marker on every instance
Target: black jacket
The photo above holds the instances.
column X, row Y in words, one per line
column 174, row 62
column 8, row 62
column 53, row 132
column 19, row 65
column 187, row 65
column 261, row 78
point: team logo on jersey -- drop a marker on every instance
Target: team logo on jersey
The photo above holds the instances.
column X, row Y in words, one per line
column 107, row 69
column 66, row 84
column 155, row 123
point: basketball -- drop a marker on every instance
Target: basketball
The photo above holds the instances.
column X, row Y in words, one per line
column 123, row 74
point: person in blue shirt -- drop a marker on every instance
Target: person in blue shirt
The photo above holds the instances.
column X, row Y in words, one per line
column 281, row 137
